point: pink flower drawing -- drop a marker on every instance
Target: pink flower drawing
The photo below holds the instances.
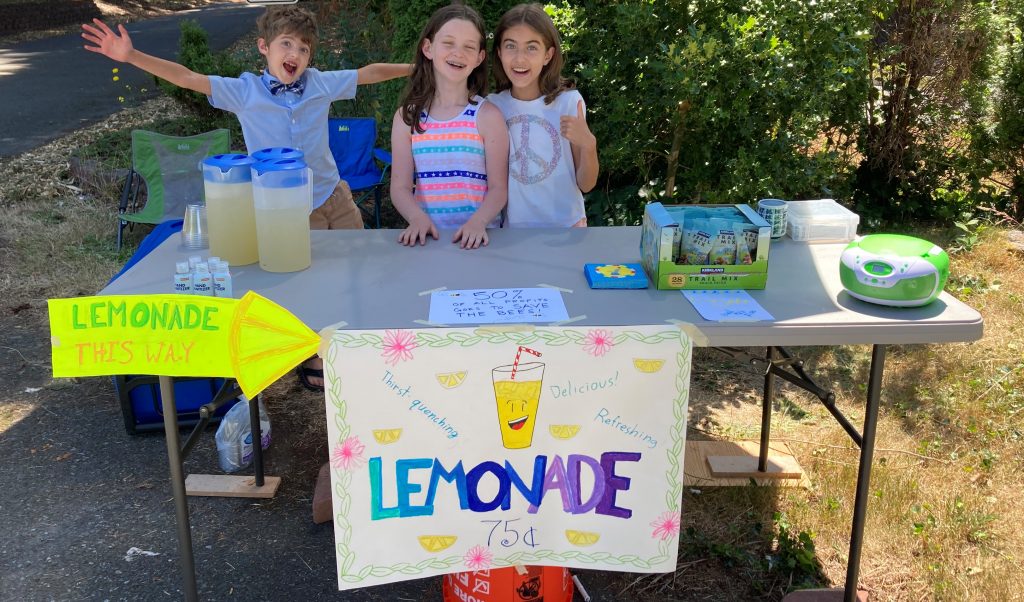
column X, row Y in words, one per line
column 598, row 342
column 478, row 558
column 398, row 346
column 666, row 525
column 348, row 454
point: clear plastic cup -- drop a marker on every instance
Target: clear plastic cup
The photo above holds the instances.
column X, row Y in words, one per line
column 194, row 234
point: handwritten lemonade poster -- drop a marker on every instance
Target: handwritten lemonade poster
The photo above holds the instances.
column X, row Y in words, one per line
column 469, row 449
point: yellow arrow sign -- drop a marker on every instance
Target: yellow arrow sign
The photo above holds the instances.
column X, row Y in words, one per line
column 251, row 339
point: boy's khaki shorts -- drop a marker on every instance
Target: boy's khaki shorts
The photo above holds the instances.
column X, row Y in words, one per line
column 339, row 211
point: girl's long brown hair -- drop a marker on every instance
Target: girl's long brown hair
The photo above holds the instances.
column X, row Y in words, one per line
column 420, row 89
column 533, row 16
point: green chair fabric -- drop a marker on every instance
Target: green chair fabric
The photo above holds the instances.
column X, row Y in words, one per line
column 169, row 166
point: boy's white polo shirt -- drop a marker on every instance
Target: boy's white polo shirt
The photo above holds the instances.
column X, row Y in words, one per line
column 299, row 122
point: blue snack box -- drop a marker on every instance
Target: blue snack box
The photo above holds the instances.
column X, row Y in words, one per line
column 615, row 275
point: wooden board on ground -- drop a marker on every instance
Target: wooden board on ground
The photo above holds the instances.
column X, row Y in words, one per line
column 698, row 472
column 224, row 485
column 778, row 467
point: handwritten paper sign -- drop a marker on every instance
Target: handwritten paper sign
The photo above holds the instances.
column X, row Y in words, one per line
column 497, row 306
column 251, row 339
column 727, row 306
column 467, row 449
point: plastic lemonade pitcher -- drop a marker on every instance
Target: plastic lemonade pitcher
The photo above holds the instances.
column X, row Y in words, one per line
column 230, row 215
column 273, row 153
column 282, row 196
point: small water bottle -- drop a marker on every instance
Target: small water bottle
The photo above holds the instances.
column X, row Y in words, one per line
column 193, row 261
column 202, row 281
column 222, row 280
column 182, row 278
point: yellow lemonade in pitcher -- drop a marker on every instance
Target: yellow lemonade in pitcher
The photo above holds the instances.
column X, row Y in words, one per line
column 231, row 220
column 283, row 236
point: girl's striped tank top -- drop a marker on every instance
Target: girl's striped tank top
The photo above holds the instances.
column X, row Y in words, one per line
column 451, row 174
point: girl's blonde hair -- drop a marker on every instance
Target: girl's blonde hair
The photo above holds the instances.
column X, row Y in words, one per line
column 419, row 91
column 533, row 16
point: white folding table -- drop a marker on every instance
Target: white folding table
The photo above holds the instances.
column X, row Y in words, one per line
column 366, row 280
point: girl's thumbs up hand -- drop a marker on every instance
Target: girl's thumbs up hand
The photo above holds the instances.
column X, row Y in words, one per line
column 574, row 128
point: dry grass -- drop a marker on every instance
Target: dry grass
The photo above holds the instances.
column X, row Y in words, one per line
column 56, row 239
column 947, row 527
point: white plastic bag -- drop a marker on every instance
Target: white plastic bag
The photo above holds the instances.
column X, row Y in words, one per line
column 234, row 436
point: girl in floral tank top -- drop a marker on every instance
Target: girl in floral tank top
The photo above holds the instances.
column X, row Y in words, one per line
column 449, row 147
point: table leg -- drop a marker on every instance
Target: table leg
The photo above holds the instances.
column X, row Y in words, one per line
column 188, row 567
column 867, row 452
column 257, row 439
column 766, row 410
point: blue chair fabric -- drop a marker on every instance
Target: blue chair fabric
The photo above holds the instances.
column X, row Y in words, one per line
column 360, row 164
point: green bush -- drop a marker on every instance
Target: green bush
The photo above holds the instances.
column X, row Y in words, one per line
column 723, row 101
column 1008, row 144
column 730, row 101
column 194, row 53
column 931, row 65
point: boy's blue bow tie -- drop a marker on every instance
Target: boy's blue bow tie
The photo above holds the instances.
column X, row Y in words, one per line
column 277, row 87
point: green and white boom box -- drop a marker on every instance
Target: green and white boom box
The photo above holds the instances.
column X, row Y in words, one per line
column 892, row 269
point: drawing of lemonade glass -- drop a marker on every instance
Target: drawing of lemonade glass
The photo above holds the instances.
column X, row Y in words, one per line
column 517, row 394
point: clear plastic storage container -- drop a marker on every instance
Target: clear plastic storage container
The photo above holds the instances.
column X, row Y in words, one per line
column 821, row 220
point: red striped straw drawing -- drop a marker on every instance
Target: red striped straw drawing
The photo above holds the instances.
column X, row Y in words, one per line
column 515, row 364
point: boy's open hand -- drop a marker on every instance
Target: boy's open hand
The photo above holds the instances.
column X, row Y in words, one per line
column 106, row 42
column 575, row 130
column 418, row 231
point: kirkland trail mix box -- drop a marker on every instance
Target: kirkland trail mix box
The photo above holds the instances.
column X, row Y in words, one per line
column 709, row 247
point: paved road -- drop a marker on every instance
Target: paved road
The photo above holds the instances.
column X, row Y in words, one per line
column 51, row 87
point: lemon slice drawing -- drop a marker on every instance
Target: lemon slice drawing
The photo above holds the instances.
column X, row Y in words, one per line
column 582, row 538
column 648, row 366
column 450, row 380
column 385, row 436
column 564, row 431
column 436, row 543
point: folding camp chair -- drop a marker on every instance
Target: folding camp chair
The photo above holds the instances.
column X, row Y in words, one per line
column 351, row 140
column 169, row 166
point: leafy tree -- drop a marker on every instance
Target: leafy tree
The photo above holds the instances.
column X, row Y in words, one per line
column 930, row 65
column 718, row 100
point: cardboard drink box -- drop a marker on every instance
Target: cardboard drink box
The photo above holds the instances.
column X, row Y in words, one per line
column 663, row 247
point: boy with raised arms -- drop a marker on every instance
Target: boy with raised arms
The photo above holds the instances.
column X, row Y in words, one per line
column 286, row 105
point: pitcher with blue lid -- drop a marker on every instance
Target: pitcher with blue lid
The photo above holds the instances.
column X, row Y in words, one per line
column 282, row 196
column 230, row 214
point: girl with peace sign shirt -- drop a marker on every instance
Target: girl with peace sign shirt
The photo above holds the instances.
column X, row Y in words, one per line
column 552, row 153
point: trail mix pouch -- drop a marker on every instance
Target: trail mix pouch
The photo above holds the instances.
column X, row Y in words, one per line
column 697, row 242
column 748, row 232
column 723, row 245
column 743, row 256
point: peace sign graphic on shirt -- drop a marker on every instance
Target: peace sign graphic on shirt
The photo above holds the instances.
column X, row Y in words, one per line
column 533, row 160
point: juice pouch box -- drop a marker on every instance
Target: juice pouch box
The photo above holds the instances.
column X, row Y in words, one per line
column 663, row 226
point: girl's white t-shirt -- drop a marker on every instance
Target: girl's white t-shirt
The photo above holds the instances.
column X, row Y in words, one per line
column 542, row 189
